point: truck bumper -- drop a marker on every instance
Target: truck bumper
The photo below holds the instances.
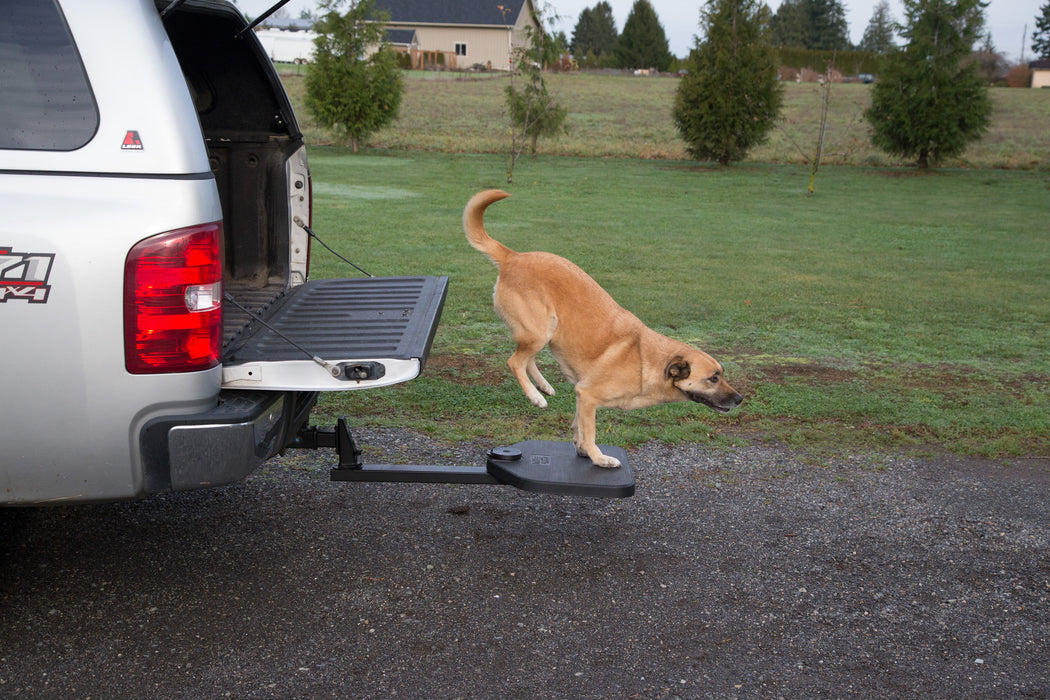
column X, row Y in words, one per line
column 224, row 444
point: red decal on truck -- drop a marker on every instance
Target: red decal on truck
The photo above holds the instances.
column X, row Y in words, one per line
column 24, row 276
column 132, row 142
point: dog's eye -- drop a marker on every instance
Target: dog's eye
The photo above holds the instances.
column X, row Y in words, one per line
column 713, row 379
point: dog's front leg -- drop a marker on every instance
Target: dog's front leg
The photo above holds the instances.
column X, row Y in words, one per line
column 583, row 432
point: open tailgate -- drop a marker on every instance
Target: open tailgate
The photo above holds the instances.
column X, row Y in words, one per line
column 338, row 335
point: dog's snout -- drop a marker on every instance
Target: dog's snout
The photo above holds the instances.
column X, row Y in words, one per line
column 736, row 399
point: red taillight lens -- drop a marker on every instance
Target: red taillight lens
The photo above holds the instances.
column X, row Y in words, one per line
column 173, row 301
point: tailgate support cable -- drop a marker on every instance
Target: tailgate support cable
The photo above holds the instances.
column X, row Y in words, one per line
column 335, row 370
column 167, row 10
column 262, row 18
column 303, row 226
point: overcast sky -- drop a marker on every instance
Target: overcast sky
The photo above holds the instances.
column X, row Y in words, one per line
column 680, row 18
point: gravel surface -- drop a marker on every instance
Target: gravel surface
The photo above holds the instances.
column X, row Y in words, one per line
column 753, row 573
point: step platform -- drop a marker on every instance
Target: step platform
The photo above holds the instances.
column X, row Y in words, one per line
column 539, row 466
column 554, row 467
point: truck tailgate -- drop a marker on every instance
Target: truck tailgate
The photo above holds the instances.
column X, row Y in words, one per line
column 338, row 335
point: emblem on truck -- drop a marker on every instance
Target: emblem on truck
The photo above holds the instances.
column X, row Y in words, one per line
column 132, row 142
column 24, row 276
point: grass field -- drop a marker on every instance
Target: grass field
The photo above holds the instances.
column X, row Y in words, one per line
column 890, row 310
column 627, row 117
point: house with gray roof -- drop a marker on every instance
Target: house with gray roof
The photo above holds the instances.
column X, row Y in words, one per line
column 459, row 34
column 1040, row 73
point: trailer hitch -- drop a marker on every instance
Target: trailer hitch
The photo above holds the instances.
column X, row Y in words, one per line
column 540, row 466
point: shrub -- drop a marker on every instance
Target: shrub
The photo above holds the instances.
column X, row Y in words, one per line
column 930, row 100
column 345, row 91
column 730, row 97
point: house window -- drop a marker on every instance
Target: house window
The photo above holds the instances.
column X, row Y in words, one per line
column 461, row 49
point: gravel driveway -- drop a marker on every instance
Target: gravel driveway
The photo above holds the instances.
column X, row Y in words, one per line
column 751, row 573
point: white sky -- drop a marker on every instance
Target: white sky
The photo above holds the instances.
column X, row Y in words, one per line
column 680, row 18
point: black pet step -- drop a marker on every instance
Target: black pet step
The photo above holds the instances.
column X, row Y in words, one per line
column 554, row 467
column 539, row 466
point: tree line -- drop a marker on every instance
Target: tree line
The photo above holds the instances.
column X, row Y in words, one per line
column 797, row 24
column 929, row 102
column 797, row 27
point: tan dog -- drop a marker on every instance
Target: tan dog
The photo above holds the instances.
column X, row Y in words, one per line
column 610, row 356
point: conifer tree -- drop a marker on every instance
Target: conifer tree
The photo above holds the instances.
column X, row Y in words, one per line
column 730, row 97
column 811, row 24
column 595, row 31
column 789, row 26
column 643, row 43
column 345, row 91
column 584, row 32
column 878, row 37
column 930, row 100
column 1041, row 35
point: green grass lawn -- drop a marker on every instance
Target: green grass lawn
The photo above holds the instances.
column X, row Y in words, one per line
column 890, row 310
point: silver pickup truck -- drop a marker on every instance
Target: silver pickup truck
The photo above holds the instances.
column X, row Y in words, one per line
column 158, row 329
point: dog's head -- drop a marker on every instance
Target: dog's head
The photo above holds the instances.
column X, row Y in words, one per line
column 697, row 375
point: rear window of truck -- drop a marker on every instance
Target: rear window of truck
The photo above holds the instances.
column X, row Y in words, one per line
column 47, row 103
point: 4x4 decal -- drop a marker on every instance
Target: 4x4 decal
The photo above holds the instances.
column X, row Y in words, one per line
column 24, row 276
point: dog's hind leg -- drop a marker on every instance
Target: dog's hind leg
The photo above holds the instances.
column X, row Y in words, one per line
column 583, row 432
column 531, row 333
column 541, row 383
column 522, row 363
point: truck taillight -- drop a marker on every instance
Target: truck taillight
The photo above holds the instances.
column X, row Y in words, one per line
column 173, row 301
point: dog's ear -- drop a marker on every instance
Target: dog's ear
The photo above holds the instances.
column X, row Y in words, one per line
column 677, row 369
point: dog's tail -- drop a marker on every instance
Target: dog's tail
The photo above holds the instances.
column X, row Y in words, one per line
column 474, row 225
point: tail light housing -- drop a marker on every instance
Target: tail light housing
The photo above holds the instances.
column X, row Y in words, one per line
column 173, row 301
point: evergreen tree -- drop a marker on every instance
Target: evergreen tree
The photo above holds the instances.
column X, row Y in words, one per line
column 730, row 97
column 930, row 101
column 828, row 25
column 606, row 33
column 790, row 25
column 878, row 37
column 1041, row 35
column 643, row 43
column 583, row 34
column 811, row 24
column 595, row 31
column 344, row 90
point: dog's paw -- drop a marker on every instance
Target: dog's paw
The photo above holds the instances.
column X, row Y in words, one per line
column 538, row 401
column 606, row 462
column 547, row 389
